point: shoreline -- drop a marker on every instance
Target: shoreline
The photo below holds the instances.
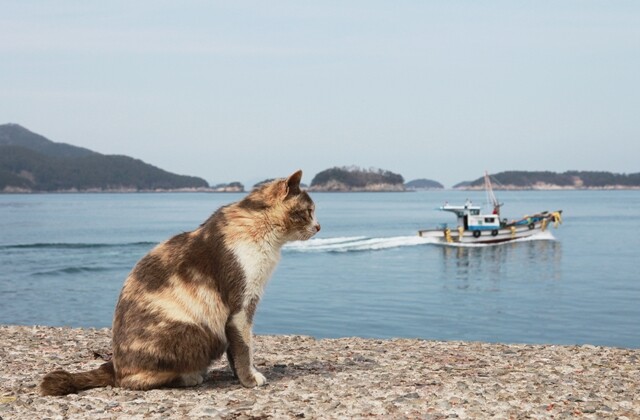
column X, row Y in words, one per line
column 337, row 378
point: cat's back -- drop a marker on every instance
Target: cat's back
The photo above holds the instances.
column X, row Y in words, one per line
column 199, row 257
column 191, row 278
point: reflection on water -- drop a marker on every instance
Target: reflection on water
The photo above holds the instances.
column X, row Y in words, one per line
column 487, row 266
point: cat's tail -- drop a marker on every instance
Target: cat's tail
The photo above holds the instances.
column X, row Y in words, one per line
column 61, row 382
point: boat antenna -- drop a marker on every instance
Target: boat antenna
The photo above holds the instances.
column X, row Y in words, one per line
column 491, row 197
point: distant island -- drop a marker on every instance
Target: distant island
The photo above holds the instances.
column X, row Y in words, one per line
column 545, row 180
column 30, row 162
column 355, row 179
column 423, row 185
column 230, row 187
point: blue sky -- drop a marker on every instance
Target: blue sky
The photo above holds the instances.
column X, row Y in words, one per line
column 242, row 91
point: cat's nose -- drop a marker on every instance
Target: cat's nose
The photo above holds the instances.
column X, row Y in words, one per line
column 317, row 227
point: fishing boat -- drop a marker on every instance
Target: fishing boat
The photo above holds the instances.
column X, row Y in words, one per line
column 474, row 227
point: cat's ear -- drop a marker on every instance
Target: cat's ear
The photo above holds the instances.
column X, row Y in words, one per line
column 292, row 184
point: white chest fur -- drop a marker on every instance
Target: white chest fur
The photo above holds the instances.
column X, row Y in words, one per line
column 258, row 262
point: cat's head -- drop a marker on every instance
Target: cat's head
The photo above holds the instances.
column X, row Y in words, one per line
column 286, row 206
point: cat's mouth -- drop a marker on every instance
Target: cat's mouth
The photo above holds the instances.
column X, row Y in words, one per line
column 309, row 232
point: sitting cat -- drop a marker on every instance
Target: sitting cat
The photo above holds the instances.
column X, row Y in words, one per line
column 193, row 297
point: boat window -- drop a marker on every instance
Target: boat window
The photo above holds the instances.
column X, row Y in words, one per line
column 489, row 219
column 475, row 212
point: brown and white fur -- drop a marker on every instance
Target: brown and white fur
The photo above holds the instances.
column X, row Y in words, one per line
column 193, row 297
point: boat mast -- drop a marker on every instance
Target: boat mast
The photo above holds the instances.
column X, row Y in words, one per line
column 491, row 197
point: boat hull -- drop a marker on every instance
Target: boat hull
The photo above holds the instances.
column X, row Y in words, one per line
column 504, row 234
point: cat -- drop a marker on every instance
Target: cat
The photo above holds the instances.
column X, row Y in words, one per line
column 193, row 297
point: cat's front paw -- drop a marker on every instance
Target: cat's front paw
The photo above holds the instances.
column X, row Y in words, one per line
column 254, row 379
column 259, row 378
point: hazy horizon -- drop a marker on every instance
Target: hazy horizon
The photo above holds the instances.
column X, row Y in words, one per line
column 243, row 91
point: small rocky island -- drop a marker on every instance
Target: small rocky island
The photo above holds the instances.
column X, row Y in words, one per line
column 423, row 185
column 355, row 179
column 230, row 187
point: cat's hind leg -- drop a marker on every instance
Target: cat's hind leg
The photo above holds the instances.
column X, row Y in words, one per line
column 143, row 380
column 190, row 379
column 149, row 380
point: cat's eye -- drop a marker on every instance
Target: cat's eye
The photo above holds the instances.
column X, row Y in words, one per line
column 310, row 211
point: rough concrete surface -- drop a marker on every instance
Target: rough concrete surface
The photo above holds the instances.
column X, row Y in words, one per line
column 336, row 378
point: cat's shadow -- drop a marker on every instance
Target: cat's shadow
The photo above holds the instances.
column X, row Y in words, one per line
column 222, row 377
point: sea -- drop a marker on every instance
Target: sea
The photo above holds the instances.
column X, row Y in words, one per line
column 64, row 257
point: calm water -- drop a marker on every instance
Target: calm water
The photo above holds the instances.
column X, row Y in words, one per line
column 63, row 259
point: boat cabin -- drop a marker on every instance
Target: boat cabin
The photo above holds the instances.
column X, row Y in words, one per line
column 469, row 217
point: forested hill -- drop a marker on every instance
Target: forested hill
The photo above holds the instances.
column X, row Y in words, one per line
column 357, row 179
column 30, row 162
column 554, row 180
column 15, row 135
column 423, row 184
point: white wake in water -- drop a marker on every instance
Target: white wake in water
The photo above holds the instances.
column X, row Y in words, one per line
column 355, row 243
column 363, row 243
